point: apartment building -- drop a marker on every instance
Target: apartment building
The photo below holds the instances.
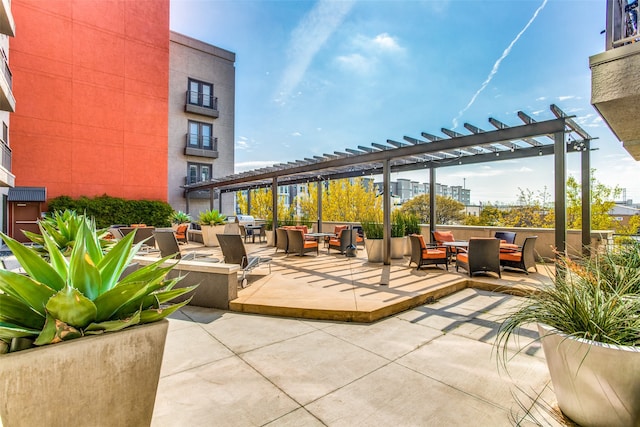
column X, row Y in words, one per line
column 7, row 106
column 201, row 121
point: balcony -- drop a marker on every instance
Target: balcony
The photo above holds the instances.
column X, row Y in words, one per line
column 199, row 103
column 7, row 101
column 201, row 146
column 7, row 26
column 7, row 179
column 615, row 75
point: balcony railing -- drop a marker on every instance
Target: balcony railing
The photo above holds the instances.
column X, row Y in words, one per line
column 202, row 142
column 622, row 23
column 201, row 100
column 6, row 156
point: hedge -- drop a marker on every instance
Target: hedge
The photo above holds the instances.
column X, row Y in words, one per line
column 109, row 210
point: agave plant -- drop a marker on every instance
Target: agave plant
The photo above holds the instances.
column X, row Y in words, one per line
column 179, row 217
column 211, row 217
column 63, row 227
column 83, row 294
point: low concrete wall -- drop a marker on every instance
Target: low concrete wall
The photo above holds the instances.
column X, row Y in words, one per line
column 218, row 282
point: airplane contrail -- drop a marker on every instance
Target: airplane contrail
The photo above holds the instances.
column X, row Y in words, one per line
column 494, row 70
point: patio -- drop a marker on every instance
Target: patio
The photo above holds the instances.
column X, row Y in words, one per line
column 431, row 364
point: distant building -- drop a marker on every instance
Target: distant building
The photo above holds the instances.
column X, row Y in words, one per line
column 201, row 121
column 623, row 213
column 405, row 190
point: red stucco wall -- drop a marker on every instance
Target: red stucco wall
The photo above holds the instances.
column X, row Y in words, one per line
column 91, row 85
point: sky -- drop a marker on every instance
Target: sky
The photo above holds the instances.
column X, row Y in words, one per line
column 315, row 77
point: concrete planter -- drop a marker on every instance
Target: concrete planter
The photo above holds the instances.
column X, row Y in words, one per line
column 596, row 384
column 375, row 249
column 407, row 246
column 270, row 239
column 100, row 380
column 209, row 234
column 397, row 247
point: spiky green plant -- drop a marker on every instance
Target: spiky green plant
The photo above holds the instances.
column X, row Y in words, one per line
column 211, row 217
column 179, row 217
column 83, row 294
column 411, row 223
column 63, row 227
column 397, row 224
column 595, row 298
column 372, row 229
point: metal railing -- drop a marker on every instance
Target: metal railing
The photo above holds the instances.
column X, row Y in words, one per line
column 7, row 72
column 622, row 23
column 202, row 142
column 202, row 100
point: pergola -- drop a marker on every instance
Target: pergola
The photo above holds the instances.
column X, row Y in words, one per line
column 558, row 136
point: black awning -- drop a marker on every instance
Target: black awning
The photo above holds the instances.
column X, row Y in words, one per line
column 27, row 194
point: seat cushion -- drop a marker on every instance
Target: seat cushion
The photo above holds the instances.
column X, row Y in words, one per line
column 443, row 236
column 334, row 242
column 434, row 254
column 310, row 244
column 511, row 256
column 463, row 257
column 508, row 247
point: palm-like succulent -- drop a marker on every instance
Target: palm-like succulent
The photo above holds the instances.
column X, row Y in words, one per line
column 211, row 217
column 63, row 227
column 83, row 294
column 179, row 217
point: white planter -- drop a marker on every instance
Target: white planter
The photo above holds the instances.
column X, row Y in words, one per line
column 397, row 247
column 270, row 239
column 100, row 380
column 375, row 249
column 407, row 247
column 596, row 384
column 209, row 232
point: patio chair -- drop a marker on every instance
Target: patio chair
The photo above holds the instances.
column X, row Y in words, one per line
column 342, row 240
column 523, row 259
column 168, row 245
column 483, row 256
column 507, row 236
column 243, row 233
column 298, row 245
column 234, row 252
column 421, row 254
column 181, row 233
column 439, row 237
column 142, row 234
column 282, row 242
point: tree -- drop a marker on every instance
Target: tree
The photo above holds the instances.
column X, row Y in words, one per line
column 602, row 201
column 347, row 200
column 490, row 215
column 448, row 210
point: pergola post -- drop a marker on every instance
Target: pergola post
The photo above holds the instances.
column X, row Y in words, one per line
column 249, row 201
column 432, row 203
column 319, row 193
column 188, row 198
column 212, row 193
column 274, row 206
column 386, row 212
column 560, row 174
column 585, row 159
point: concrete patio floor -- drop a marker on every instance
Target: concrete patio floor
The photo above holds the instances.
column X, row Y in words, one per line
column 432, row 364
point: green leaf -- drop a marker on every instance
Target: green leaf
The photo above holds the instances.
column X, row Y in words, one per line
column 56, row 258
column 155, row 314
column 17, row 312
column 33, row 264
column 31, row 292
column 8, row 331
column 72, row 308
column 56, row 331
column 83, row 274
column 128, row 294
column 113, row 325
column 165, row 296
column 92, row 244
column 114, row 262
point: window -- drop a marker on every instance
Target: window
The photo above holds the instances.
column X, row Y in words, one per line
column 199, row 136
column 201, row 94
column 198, row 172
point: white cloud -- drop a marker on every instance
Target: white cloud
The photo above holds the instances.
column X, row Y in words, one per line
column 385, row 42
column 542, row 98
column 242, row 143
column 355, row 62
column 307, row 39
column 296, row 134
column 566, row 97
column 538, row 112
column 368, row 51
column 247, row 166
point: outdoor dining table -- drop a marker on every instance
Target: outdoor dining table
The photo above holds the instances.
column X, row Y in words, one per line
column 324, row 236
column 253, row 229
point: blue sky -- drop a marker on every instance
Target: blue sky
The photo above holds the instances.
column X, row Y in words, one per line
column 314, row 77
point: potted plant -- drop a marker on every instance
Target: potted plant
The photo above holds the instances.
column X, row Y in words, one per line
column 373, row 234
column 179, row 217
column 78, row 326
column 397, row 235
column 211, row 223
column 411, row 226
column 589, row 326
column 268, row 230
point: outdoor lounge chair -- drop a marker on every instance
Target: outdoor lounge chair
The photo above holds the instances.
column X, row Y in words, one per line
column 421, row 254
column 523, row 259
column 483, row 256
column 235, row 253
column 298, row 245
column 181, row 233
column 142, row 234
column 168, row 245
column 342, row 240
column 282, row 242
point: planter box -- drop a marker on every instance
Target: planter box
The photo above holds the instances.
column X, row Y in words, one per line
column 375, row 252
column 397, row 247
column 209, row 234
column 270, row 239
column 596, row 384
column 100, row 380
